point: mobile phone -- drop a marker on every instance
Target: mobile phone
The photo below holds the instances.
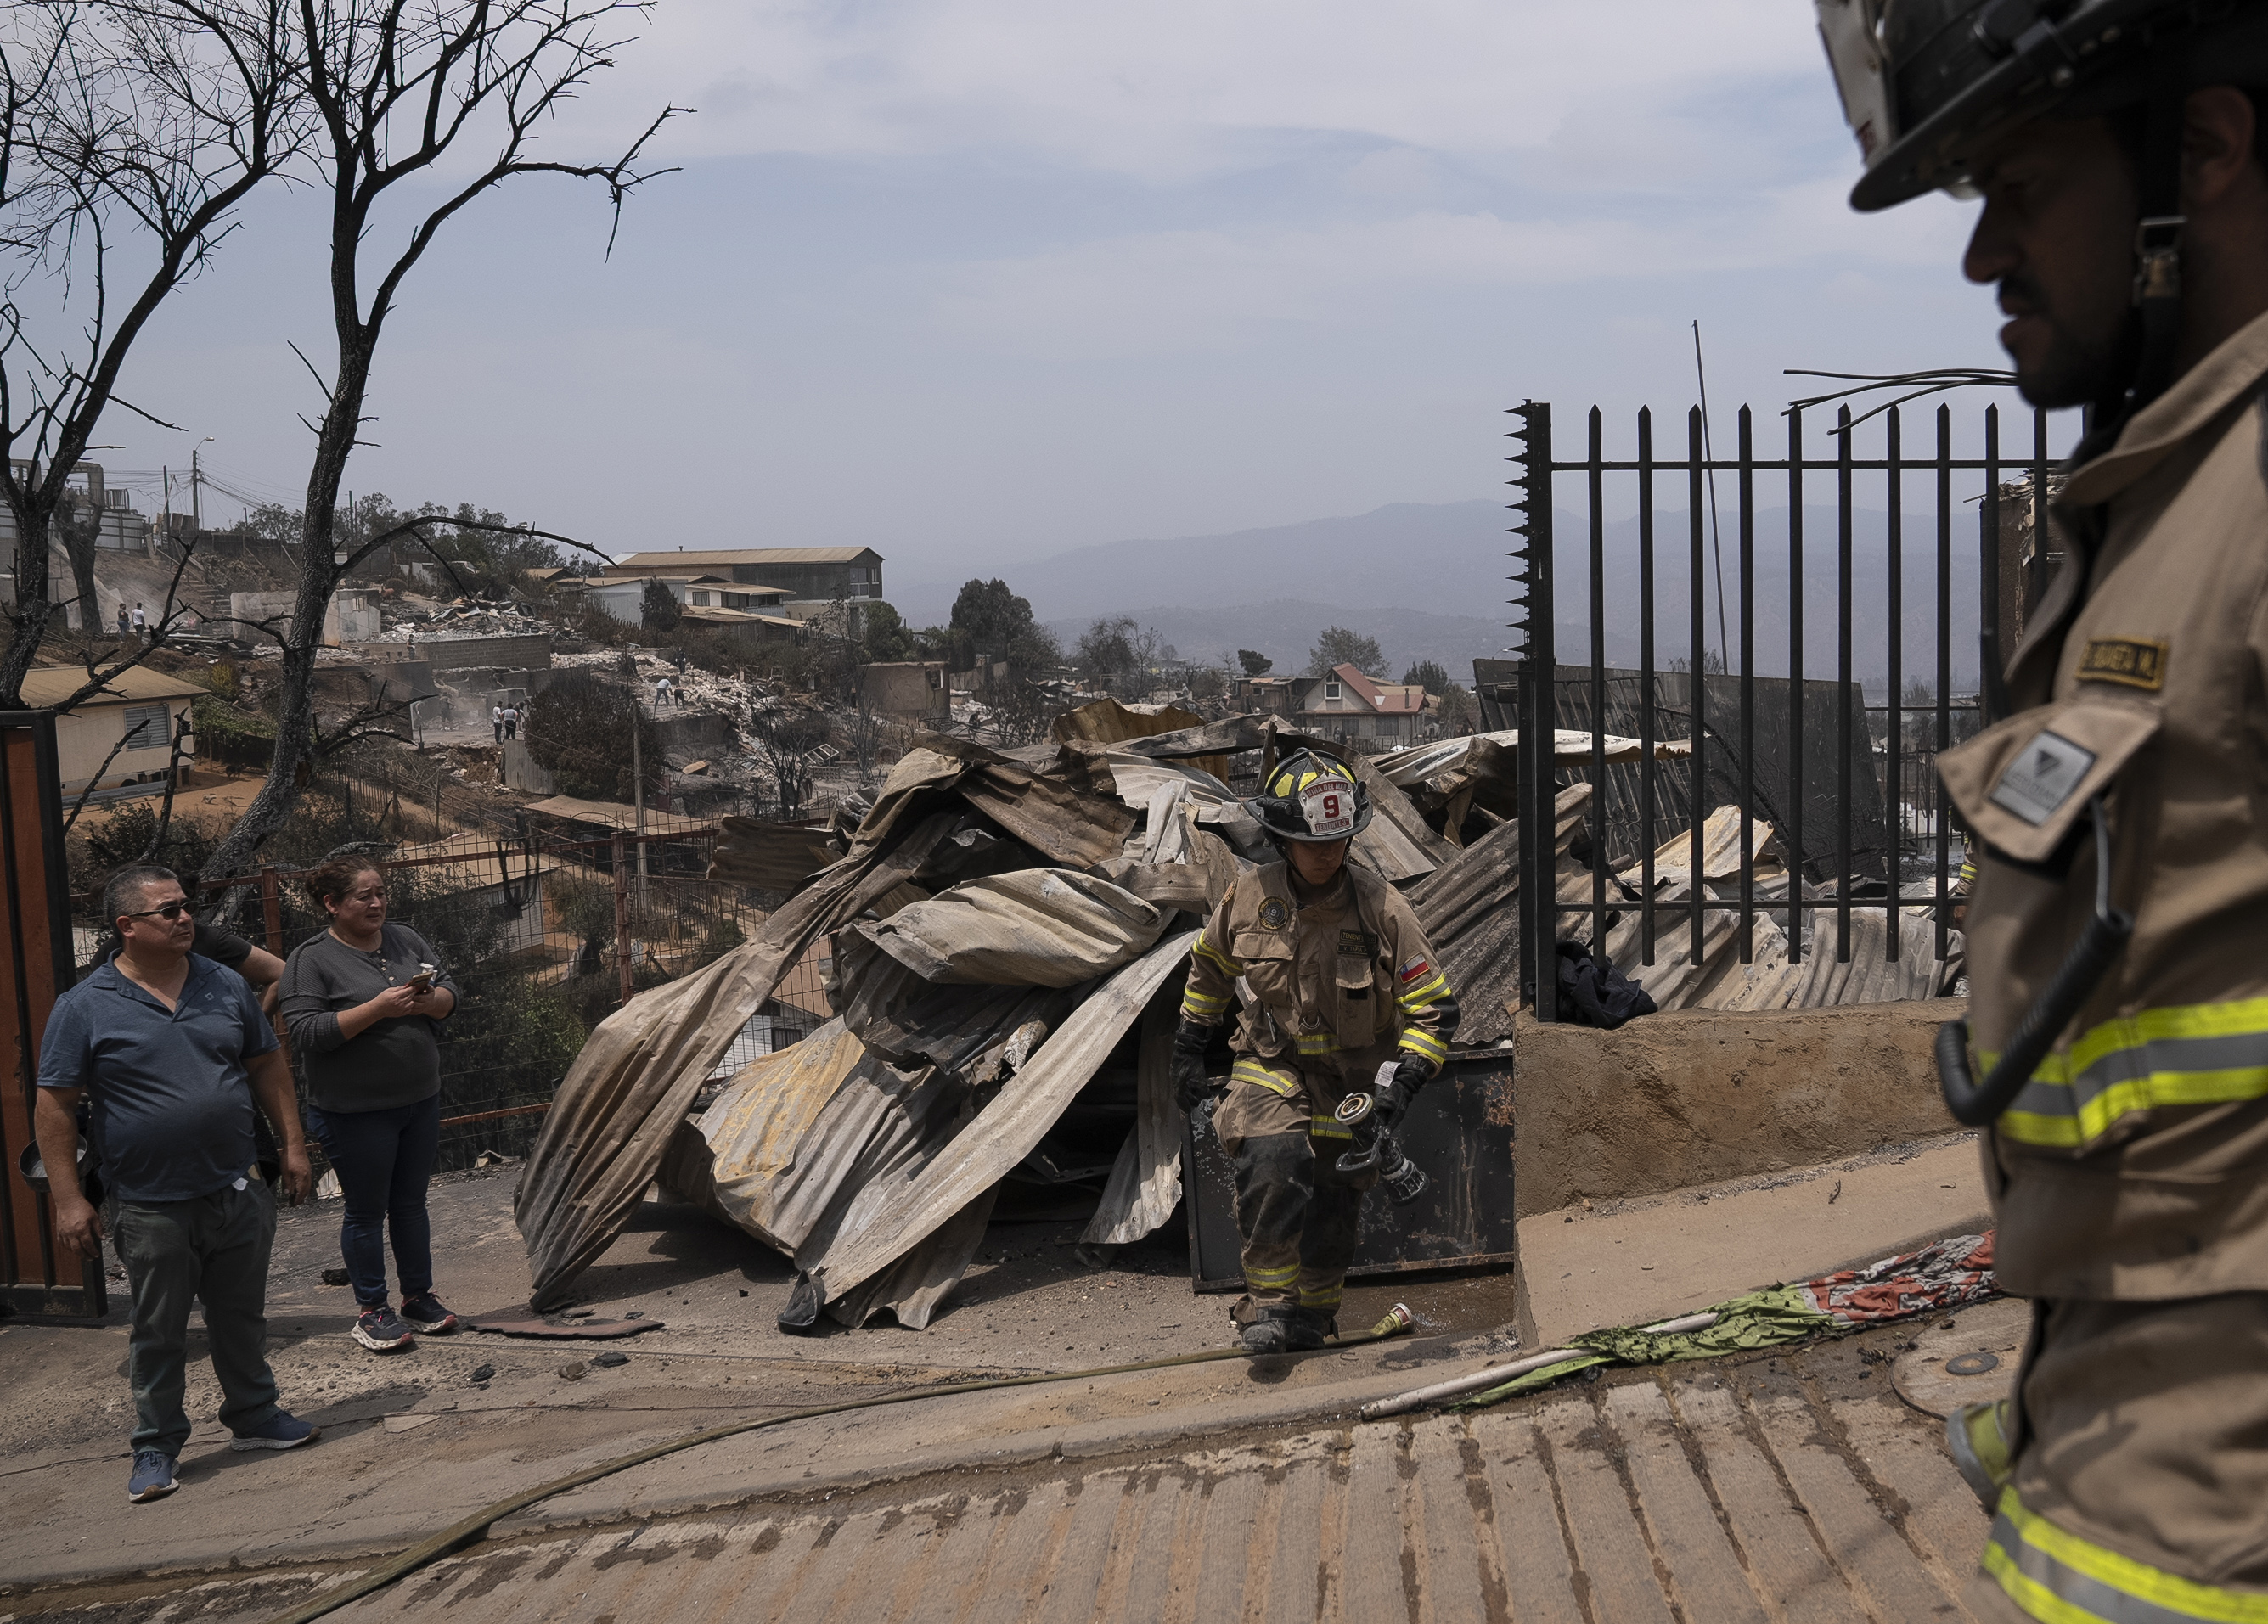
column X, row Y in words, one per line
column 423, row 979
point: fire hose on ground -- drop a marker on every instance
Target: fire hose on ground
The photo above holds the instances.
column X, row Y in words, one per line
column 473, row 1527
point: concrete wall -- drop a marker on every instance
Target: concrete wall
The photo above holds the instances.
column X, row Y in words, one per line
column 247, row 608
column 1697, row 1096
column 906, row 688
column 699, row 731
column 456, row 653
column 522, row 773
column 85, row 736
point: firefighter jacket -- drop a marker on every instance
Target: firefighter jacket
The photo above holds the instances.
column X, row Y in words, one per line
column 2134, row 1164
column 1337, row 985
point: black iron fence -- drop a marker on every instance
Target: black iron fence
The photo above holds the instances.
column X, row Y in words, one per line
column 1812, row 660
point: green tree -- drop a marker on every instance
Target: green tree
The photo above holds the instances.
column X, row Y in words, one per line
column 657, row 608
column 888, row 636
column 1427, row 674
column 1336, row 645
column 579, row 730
column 988, row 619
column 1254, row 662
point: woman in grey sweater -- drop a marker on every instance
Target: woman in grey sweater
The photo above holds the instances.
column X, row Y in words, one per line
column 363, row 1001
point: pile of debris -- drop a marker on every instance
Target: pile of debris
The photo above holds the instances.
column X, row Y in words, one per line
column 412, row 619
column 1009, row 932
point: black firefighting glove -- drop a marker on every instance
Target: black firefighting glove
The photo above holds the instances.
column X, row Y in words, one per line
column 1393, row 1101
column 1191, row 1083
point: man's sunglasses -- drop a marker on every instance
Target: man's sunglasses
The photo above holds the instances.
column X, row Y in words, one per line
column 167, row 911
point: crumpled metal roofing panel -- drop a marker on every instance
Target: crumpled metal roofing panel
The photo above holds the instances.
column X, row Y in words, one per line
column 906, row 1209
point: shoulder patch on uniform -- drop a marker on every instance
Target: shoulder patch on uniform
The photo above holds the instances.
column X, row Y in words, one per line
column 1275, row 914
column 2134, row 662
column 2042, row 777
column 1414, row 968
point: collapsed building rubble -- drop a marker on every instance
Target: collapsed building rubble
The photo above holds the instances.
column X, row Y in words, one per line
column 1008, row 932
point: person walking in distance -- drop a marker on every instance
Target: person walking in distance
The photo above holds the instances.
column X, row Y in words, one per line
column 364, row 1001
column 172, row 1054
column 2117, row 928
column 496, row 721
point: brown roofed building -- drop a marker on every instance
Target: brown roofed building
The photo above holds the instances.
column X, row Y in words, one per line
column 1347, row 705
column 803, row 573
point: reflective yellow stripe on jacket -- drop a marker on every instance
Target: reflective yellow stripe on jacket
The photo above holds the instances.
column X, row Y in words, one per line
column 2196, row 1054
column 1200, row 1005
column 2059, row 1578
column 1275, row 1079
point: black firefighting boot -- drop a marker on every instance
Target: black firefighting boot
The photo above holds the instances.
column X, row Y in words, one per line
column 1281, row 1328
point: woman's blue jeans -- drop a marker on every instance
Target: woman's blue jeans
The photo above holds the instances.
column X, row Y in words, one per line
column 384, row 1159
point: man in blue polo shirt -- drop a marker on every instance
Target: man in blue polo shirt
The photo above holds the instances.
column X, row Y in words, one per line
column 171, row 1051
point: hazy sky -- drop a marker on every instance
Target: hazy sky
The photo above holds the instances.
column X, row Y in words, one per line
column 999, row 277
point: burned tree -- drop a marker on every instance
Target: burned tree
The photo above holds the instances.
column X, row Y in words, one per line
column 399, row 94
column 128, row 138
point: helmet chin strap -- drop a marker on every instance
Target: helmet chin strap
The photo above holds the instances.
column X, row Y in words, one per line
column 2156, row 329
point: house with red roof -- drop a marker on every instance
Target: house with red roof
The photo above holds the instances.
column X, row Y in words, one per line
column 1346, row 705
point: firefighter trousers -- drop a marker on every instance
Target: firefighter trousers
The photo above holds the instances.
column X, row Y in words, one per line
column 1299, row 1217
column 2142, row 1469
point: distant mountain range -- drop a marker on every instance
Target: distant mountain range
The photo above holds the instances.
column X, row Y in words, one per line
column 1430, row 582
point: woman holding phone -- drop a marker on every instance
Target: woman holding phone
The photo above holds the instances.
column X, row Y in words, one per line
column 363, row 1001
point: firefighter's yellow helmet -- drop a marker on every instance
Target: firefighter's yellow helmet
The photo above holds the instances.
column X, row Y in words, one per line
column 1312, row 797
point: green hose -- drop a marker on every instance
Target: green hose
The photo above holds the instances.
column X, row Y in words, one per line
column 473, row 1527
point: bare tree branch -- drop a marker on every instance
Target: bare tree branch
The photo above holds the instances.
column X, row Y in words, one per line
column 130, row 135
column 403, row 91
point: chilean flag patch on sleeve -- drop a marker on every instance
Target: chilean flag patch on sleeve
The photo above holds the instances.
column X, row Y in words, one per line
column 1415, row 968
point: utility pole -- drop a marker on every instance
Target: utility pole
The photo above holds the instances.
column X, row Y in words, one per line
column 637, row 790
column 197, row 488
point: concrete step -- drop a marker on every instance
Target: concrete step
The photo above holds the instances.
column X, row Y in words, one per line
column 1636, row 1262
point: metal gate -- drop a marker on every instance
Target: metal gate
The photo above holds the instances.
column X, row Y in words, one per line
column 35, row 1278
column 1846, row 785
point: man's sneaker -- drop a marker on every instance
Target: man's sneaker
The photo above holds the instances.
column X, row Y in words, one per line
column 425, row 1314
column 381, row 1331
column 281, row 1431
column 152, row 1477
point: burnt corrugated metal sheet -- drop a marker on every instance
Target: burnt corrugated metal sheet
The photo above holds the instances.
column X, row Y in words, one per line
column 613, row 1115
column 755, row 1130
column 1145, row 1184
column 899, row 1209
column 1470, row 911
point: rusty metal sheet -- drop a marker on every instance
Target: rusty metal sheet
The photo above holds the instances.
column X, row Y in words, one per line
column 1106, row 722
column 611, row 1121
column 774, row 856
column 896, row 1213
column 1064, row 825
column 755, row 1129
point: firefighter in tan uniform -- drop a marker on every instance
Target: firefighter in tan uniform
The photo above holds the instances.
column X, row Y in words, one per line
column 2118, row 934
column 1336, row 979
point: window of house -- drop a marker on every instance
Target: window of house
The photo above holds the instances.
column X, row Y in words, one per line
column 700, row 600
column 1330, row 690
column 736, row 600
column 148, row 727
